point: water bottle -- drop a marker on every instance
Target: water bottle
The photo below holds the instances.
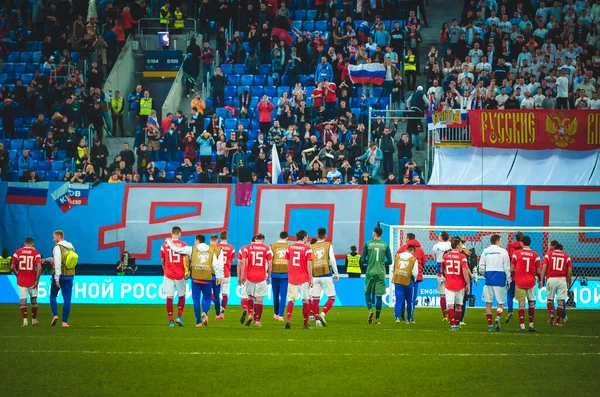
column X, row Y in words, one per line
column 126, row 259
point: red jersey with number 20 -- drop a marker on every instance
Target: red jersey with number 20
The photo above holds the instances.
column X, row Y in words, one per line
column 26, row 260
column 527, row 263
column 174, row 265
column 298, row 256
column 558, row 262
column 257, row 256
column 454, row 263
column 229, row 255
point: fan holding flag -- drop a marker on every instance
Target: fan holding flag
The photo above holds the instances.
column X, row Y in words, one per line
column 276, row 175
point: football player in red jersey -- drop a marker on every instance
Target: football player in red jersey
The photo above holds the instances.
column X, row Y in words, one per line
column 173, row 265
column 27, row 265
column 512, row 247
column 525, row 267
column 299, row 256
column 240, row 271
column 229, row 256
column 558, row 270
column 256, row 276
column 456, row 280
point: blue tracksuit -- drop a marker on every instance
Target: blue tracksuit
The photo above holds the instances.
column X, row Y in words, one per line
column 205, row 291
column 279, row 283
column 216, row 291
column 404, row 298
column 66, row 286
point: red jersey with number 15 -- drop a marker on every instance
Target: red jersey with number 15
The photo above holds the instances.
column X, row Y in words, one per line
column 174, row 262
column 527, row 263
column 257, row 255
column 229, row 255
column 454, row 263
column 26, row 260
column 298, row 256
column 558, row 262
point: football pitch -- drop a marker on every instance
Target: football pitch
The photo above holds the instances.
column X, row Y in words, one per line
column 130, row 350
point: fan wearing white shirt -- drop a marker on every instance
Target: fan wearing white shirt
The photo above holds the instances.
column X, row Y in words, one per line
column 464, row 75
column 502, row 98
column 562, row 91
column 475, row 53
column 583, row 102
column 595, row 102
column 538, row 98
column 528, row 102
column 483, row 65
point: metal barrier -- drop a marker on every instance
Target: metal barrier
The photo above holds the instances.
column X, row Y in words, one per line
column 148, row 28
column 451, row 135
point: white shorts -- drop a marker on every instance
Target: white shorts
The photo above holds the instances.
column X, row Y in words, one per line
column 556, row 287
column 225, row 285
column 490, row 291
column 322, row 284
column 455, row 297
column 298, row 291
column 441, row 285
column 25, row 292
column 244, row 293
column 256, row 289
column 170, row 285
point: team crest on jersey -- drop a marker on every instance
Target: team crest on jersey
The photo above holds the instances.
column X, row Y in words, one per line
column 203, row 257
column 403, row 264
column 281, row 253
column 320, row 253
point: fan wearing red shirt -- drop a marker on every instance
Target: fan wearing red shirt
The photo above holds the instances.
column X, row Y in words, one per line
column 256, row 276
column 456, row 279
column 229, row 256
column 317, row 96
column 330, row 97
column 174, row 275
column 557, row 269
column 27, row 265
column 240, row 271
column 512, row 247
column 525, row 267
column 299, row 256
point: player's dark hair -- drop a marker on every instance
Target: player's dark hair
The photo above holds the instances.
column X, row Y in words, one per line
column 214, row 237
column 283, row 235
column 495, row 238
column 313, row 240
column 445, row 236
column 410, row 236
column 224, row 235
column 455, row 242
column 321, row 232
column 558, row 247
column 29, row 240
column 300, row 235
column 259, row 236
column 519, row 236
column 554, row 243
column 253, row 239
column 410, row 248
column 378, row 231
column 176, row 230
column 201, row 238
column 526, row 240
column 353, row 248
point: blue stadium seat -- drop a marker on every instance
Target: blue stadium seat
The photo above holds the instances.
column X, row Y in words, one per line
column 321, row 26
column 26, row 78
column 311, row 15
column 228, row 101
column 222, row 113
column 32, row 67
column 378, row 92
column 35, row 165
column 43, row 165
column 209, row 103
column 172, row 166
column 20, row 68
column 309, row 25
column 5, row 142
column 384, row 102
column 243, row 88
column 16, row 144
column 3, row 78
column 239, row 68
column 61, row 155
column 227, row 68
column 297, row 24
column 37, row 57
column 163, row 156
column 8, row 68
column 355, row 111
column 254, row 102
column 22, row 133
column 270, row 91
column 61, row 175
column 57, row 166
column 27, row 56
column 374, row 102
column 300, row 14
column 37, row 154
column 230, row 123
column 247, row 79
column 52, row 176
column 33, row 45
column 170, row 175
column 260, row 79
column 246, row 45
column 264, row 69
column 309, row 102
column 281, row 89
column 234, row 79
column 258, row 90
column 230, row 90
column 160, row 165
column 13, row 154
column 254, row 125
column 10, row 87
column 309, row 91
column 387, row 23
column 41, row 175
column 206, row 122
column 14, row 57
column 75, row 57
column 13, row 176
column 18, row 122
column 245, row 123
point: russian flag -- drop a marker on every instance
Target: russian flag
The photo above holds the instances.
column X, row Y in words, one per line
column 61, row 197
column 367, row 73
column 78, row 193
column 27, row 193
column 276, row 176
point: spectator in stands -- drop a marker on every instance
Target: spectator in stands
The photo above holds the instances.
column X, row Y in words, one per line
column 145, row 107
column 29, row 176
column 372, row 157
column 172, row 142
column 127, row 155
column 265, row 107
column 8, row 109
column 218, row 82
column 205, row 143
column 4, row 158
column 117, row 107
column 324, row 71
column 99, row 156
column 25, row 161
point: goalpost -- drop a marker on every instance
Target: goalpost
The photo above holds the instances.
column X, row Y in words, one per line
column 582, row 244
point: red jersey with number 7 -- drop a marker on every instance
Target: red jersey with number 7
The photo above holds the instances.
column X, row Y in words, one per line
column 454, row 263
column 558, row 263
column 257, row 256
column 527, row 263
column 229, row 255
column 174, row 262
column 26, row 260
column 298, row 256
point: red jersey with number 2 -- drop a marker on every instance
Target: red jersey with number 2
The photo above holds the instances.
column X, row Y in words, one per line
column 527, row 263
column 454, row 263
column 174, row 265
column 26, row 260
column 229, row 255
column 558, row 263
column 298, row 256
column 257, row 256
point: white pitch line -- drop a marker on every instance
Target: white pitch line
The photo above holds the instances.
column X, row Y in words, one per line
column 300, row 354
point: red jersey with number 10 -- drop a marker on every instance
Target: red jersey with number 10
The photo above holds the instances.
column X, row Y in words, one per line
column 298, row 256
column 26, row 260
column 527, row 263
column 558, row 262
column 174, row 262
column 454, row 263
column 257, row 256
column 229, row 255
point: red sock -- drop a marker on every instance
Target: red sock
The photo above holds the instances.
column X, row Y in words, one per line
column 531, row 314
column 290, row 309
column 443, row 305
column 329, row 304
column 34, row 311
column 489, row 318
column 559, row 314
column 224, row 302
column 451, row 316
column 315, row 306
column 498, row 313
column 550, row 306
column 258, row 312
column 305, row 312
column 170, row 308
column 24, row 311
column 250, row 306
column 458, row 314
column 180, row 305
column 522, row 316
column 244, row 303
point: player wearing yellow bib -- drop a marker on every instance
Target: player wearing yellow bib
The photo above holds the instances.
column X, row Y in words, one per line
column 323, row 264
column 406, row 271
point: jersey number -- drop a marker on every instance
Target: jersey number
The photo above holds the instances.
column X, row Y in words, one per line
column 174, row 257
column 296, row 256
column 558, row 264
column 26, row 263
column 527, row 261
column 257, row 258
column 376, row 254
column 453, row 267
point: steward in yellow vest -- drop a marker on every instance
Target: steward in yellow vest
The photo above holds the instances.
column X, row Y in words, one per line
column 406, row 270
column 178, row 23
column 353, row 263
column 117, row 105
column 5, row 261
column 410, row 63
column 165, row 15
column 145, row 105
column 279, row 275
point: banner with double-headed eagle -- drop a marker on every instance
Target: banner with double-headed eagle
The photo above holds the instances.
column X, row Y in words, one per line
column 535, row 129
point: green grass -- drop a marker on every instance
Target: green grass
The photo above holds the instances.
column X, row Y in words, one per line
column 129, row 350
